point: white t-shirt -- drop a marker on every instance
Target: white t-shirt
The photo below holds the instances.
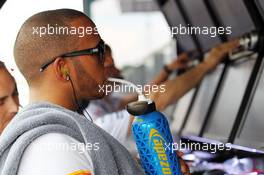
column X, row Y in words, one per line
column 56, row 154
column 99, row 108
column 116, row 124
column 106, row 114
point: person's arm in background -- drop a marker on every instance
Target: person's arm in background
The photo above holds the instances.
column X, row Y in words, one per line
column 176, row 88
column 178, row 63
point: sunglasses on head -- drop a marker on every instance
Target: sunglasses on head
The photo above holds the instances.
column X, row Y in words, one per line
column 99, row 49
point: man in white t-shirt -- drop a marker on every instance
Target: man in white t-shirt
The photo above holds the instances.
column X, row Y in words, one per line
column 61, row 70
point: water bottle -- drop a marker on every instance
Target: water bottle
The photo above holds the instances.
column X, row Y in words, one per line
column 153, row 139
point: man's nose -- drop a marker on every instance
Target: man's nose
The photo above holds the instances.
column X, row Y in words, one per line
column 108, row 62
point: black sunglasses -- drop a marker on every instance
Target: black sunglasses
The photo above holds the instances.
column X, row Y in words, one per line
column 99, row 49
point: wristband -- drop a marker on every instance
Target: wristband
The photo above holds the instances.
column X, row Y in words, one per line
column 167, row 70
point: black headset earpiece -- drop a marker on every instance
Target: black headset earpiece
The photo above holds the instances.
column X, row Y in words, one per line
column 68, row 78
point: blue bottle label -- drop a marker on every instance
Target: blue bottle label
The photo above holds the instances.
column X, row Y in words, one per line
column 152, row 135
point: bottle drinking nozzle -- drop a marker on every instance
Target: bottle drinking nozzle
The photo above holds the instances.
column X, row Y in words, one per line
column 141, row 96
column 142, row 106
column 142, row 102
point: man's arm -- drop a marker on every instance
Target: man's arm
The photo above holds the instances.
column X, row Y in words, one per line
column 176, row 88
column 56, row 153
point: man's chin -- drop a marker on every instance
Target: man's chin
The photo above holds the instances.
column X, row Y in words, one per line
column 98, row 96
column 101, row 95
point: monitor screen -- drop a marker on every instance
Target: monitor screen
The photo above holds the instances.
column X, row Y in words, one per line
column 181, row 110
column 228, row 102
column 202, row 24
column 251, row 133
column 174, row 18
column 202, row 102
column 234, row 14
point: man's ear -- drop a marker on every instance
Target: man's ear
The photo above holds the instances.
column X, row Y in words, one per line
column 61, row 69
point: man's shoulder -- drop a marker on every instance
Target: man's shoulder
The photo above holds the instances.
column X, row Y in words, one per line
column 54, row 153
column 54, row 138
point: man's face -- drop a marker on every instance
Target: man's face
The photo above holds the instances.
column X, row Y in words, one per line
column 8, row 98
column 110, row 68
column 89, row 71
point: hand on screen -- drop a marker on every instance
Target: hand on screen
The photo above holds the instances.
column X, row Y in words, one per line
column 218, row 53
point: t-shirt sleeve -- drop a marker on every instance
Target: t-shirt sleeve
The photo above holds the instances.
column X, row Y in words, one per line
column 55, row 154
column 116, row 124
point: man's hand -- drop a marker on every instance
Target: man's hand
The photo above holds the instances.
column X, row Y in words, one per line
column 218, row 53
column 179, row 63
column 184, row 167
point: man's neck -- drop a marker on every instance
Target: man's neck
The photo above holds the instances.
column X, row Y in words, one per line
column 65, row 100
